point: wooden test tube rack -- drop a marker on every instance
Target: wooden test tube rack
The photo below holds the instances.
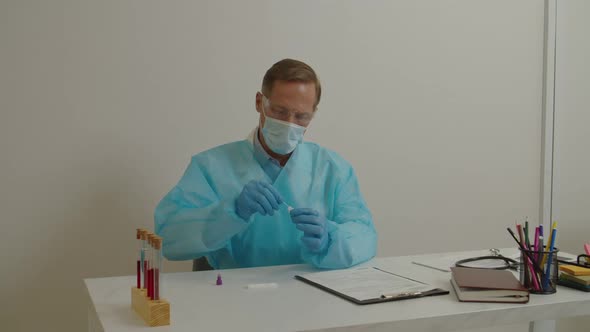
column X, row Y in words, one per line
column 153, row 312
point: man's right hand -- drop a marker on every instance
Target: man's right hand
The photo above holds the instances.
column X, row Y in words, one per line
column 258, row 196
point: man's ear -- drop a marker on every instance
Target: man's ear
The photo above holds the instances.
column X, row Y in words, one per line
column 258, row 102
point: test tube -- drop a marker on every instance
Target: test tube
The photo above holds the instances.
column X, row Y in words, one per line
column 150, row 268
column 144, row 260
column 153, row 267
column 139, row 258
column 148, row 263
column 157, row 266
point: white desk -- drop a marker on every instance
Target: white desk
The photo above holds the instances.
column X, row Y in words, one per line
column 197, row 304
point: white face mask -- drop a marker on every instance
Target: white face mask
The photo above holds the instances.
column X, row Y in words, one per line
column 281, row 137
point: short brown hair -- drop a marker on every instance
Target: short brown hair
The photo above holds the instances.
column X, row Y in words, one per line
column 291, row 71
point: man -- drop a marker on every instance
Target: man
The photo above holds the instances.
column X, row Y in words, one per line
column 270, row 199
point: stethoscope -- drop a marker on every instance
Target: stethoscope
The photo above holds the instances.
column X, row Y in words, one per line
column 508, row 263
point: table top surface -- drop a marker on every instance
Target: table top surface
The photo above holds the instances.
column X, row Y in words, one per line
column 196, row 302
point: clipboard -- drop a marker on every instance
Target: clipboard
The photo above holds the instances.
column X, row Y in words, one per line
column 331, row 282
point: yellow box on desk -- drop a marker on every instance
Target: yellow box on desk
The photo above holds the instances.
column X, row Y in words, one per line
column 575, row 270
column 153, row 312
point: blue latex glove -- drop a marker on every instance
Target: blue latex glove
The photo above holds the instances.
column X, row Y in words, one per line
column 258, row 196
column 313, row 226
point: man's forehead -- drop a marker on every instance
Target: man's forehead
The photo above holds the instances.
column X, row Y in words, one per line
column 293, row 87
column 293, row 92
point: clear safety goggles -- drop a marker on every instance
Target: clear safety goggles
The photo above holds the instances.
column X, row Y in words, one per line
column 283, row 114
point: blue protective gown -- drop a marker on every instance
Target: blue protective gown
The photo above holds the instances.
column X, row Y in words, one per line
column 197, row 217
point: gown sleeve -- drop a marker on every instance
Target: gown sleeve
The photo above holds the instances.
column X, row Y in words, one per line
column 352, row 236
column 193, row 220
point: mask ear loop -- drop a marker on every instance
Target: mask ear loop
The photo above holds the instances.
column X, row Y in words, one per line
column 265, row 103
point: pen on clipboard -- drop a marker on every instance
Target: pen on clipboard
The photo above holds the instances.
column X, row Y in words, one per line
column 432, row 267
column 407, row 294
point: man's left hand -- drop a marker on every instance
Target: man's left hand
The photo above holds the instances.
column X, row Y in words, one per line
column 313, row 226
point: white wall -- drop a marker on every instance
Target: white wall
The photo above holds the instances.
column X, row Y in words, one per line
column 571, row 182
column 571, row 198
column 436, row 103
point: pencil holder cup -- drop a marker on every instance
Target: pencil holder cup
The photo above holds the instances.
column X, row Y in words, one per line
column 539, row 270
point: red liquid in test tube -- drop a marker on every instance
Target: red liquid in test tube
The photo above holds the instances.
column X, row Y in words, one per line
column 151, row 283
column 145, row 275
column 138, row 273
column 156, row 284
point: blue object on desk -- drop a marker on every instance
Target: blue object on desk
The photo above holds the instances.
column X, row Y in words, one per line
column 549, row 260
